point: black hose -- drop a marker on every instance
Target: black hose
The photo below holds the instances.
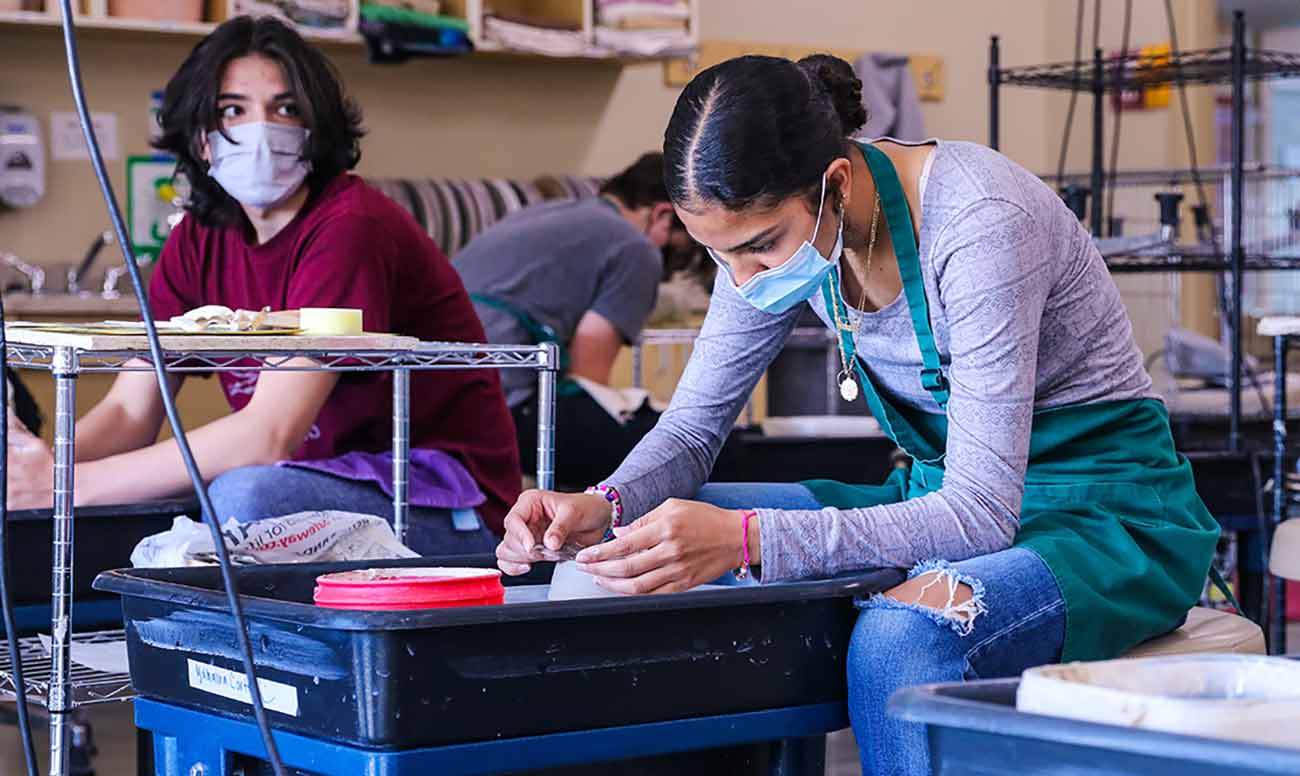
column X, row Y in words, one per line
column 1253, row 374
column 1262, row 526
column 1119, row 115
column 1074, row 93
column 1179, row 79
column 6, row 600
column 164, row 389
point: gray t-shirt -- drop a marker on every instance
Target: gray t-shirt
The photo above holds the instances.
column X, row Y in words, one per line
column 555, row 261
column 1025, row 317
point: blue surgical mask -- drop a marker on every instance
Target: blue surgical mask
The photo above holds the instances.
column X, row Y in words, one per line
column 778, row 289
column 263, row 166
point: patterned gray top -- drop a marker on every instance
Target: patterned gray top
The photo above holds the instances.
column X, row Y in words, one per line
column 1025, row 317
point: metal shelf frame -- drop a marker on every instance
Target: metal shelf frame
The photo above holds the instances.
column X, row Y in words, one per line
column 1133, row 71
column 1198, row 262
column 1275, row 615
column 88, row 686
column 64, row 687
column 1234, row 65
column 1265, row 246
column 1174, row 176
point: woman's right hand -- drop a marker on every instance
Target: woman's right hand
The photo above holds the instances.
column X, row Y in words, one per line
column 543, row 517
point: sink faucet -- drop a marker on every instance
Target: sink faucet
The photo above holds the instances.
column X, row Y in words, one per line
column 34, row 274
column 75, row 276
column 111, row 279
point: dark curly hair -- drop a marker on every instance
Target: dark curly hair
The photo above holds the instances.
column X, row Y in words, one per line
column 756, row 130
column 189, row 110
column 641, row 184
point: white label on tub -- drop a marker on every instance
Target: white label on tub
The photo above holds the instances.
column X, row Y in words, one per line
column 234, row 685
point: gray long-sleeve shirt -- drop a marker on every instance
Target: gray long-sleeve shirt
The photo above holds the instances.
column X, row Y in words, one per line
column 1025, row 317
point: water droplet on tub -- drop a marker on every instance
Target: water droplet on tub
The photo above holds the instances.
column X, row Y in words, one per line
column 410, row 649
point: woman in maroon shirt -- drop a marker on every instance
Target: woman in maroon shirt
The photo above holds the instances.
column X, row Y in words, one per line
column 265, row 136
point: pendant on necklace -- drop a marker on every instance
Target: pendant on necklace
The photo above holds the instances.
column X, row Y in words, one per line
column 849, row 389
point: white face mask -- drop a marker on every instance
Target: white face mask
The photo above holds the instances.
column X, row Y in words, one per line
column 263, row 166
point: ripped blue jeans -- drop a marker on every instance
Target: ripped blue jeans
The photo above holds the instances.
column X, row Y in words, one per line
column 1014, row 620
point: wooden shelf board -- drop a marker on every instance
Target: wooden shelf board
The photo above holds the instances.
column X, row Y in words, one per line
column 192, row 29
column 487, row 48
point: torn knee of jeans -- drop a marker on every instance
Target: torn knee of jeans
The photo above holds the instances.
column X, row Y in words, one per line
column 958, row 614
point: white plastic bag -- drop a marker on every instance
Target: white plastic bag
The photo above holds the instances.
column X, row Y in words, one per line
column 315, row 537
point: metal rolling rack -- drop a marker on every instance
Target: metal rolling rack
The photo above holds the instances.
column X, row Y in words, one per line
column 1284, row 332
column 686, row 337
column 62, row 687
column 1235, row 65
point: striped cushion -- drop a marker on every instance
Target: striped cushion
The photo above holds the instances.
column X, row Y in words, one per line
column 452, row 212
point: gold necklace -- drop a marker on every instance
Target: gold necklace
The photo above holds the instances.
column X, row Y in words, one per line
column 848, row 384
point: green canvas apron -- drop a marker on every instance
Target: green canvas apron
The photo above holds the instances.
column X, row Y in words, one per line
column 538, row 333
column 1109, row 505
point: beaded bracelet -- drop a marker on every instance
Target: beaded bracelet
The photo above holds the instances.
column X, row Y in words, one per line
column 745, row 517
column 610, row 494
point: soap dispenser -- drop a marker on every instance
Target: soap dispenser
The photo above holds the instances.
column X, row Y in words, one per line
column 22, row 159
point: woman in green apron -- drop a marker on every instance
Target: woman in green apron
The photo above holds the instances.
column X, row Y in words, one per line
column 1045, row 515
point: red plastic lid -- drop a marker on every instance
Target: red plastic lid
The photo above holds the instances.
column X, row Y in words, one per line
column 389, row 589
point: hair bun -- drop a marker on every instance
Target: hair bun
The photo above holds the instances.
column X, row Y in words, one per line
column 842, row 86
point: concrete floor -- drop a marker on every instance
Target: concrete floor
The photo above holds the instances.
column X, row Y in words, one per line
column 115, row 737
column 114, row 731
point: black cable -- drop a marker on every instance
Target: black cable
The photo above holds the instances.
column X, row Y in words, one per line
column 1096, row 24
column 1253, row 375
column 1181, row 82
column 1263, row 522
column 1074, row 92
column 160, row 371
column 6, row 600
column 1119, row 115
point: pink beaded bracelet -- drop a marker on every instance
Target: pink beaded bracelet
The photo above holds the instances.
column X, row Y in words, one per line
column 745, row 517
column 610, row 494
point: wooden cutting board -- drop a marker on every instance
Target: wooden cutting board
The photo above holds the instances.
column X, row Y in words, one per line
column 92, row 339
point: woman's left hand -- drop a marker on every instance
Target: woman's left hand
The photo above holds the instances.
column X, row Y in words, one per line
column 31, row 473
column 678, row 546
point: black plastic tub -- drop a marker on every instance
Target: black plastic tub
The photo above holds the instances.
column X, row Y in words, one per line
column 975, row 730
column 400, row 680
column 104, row 539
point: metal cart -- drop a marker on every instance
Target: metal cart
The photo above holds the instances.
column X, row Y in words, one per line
column 805, row 335
column 59, row 686
column 1284, row 332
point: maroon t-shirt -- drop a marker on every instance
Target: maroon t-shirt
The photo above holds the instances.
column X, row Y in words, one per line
column 351, row 246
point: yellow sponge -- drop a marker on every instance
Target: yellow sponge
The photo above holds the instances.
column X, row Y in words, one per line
column 330, row 321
